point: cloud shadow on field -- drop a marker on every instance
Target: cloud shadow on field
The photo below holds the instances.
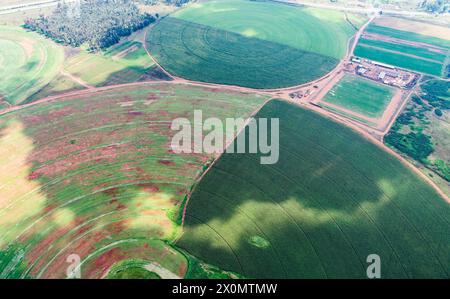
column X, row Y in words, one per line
column 207, row 54
column 331, row 200
column 98, row 168
column 38, row 208
column 135, row 74
column 30, row 65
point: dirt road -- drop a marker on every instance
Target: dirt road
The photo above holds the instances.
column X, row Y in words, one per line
column 161, row 271
column 282, row 93
column 77, row 80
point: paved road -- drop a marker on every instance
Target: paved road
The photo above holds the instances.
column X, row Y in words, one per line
column 30, row 6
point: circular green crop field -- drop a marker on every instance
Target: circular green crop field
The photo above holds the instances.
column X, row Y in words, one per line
column 131, row 269
column 27, row 63
column 250, row 44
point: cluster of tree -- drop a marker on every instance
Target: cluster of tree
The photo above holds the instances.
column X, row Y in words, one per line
column 415, row 144
column 97, row 23
column 436, row 92
column 435, row 6
column 414, row 141
column 177, row 3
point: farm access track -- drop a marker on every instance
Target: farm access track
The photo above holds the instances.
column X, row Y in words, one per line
column 281, row 93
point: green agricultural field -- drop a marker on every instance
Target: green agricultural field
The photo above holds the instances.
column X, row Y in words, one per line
column 95, row 175
column 405, row 49
column 420, row 59
column 361, row 96
column 251, row 44
column 124, row 63
column 28, row 62
column 403, row 61
column 332, row 199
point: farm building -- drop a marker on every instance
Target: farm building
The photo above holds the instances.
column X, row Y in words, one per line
column 388, row 66
column 361, row 70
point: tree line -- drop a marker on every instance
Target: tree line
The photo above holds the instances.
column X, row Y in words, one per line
column 96, row 23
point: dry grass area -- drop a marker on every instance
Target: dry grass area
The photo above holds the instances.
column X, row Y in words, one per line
column 17, row 18
column 160, row 9
column 416, row 27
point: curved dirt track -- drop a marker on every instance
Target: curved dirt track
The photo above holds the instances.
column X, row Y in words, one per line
column 239, row 89
column 350, row 49
column 274, row 93
column 178, row 80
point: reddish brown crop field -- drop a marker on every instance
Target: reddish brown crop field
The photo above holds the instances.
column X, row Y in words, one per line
column 95, row 176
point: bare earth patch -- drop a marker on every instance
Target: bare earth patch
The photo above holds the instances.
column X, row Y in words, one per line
column 27, row 45
column 416, row 27
column 125, row 52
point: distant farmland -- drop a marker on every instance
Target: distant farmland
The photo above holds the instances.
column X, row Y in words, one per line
column 95, row 175
column 251, row 44
column 332, row 199
column 409, row 50
column 123, row 63
column 360, row 95
column 28, row 62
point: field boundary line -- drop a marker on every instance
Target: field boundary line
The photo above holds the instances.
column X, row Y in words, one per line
column 217, row 158
column 144, row 43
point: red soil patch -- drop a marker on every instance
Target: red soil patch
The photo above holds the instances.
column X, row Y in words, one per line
column 153, row 96
column 108, row 258
column 148, row 187
column 113, row 192
column 56, row 114
column 83, row 229
column 166, row 162
column 40, row 251
column 135, row 113
column 33, row 176
column 182, row 270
